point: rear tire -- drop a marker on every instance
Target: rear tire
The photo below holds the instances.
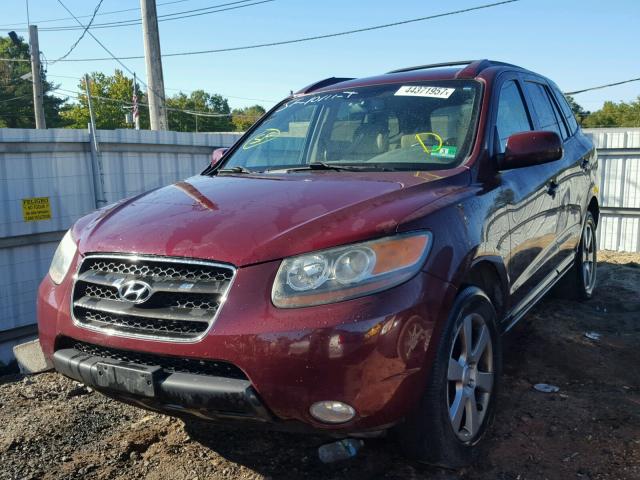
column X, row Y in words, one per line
column 459, row 401
column 580, row 281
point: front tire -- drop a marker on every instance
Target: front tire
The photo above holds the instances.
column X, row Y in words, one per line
column 459, row 401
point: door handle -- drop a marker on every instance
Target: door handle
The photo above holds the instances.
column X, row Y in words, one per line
column 552, row 188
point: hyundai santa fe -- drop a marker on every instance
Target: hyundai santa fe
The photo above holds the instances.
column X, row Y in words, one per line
column 349, row 266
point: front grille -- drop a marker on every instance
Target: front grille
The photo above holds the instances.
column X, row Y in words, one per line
column 132, row 324
column 161, row 270
column 214, row 368
column 179, row 302
column 96, row 291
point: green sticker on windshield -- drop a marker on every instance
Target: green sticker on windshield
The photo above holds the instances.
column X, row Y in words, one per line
column 446, row 151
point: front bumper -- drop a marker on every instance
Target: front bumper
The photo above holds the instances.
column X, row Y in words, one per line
column 212, row 397
column 373, row 353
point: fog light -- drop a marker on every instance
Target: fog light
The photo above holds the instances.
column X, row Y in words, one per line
column 332, row 412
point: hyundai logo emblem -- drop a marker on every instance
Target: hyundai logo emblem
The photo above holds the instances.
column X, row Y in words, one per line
column 135, row 291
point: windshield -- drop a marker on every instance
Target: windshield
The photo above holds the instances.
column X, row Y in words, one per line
column 412, row 126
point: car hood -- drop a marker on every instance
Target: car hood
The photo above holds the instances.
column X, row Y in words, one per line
column 247, row 219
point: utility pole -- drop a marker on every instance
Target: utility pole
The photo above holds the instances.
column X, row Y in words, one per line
column 153, row 60
column 94, row 146
column 92, row 117
column 38, row 108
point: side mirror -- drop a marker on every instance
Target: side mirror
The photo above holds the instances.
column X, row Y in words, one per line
column 531, row 148
column 217, row 155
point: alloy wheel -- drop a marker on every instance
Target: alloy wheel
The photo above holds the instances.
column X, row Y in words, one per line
column 589, row 257
column 470, row 377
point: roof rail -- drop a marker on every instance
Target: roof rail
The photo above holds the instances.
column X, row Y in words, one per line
column 432, row 65
column 321, row 84
column 473, row 67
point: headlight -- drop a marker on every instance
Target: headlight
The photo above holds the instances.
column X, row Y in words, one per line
column 351, row 271
column 62, row 258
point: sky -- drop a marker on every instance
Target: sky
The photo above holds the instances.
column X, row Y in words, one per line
column 576, row 43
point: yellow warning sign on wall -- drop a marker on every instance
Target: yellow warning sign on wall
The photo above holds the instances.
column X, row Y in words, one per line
column 37, row 208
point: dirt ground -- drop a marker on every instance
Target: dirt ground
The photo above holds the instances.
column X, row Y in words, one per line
column 51, row 427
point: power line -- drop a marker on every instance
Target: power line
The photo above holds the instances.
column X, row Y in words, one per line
column 181, row 90
column 258, row 99
column 38, row 22
column 105, row 48
column 305, row 39
column 199, row 113
column 172, row 16
column 15, row 98
column 166, row 17
column 70, row 77
column 63, row 76
column 100, row 43
column 224, row 95
column 71, row 93
column 16, row 81
column 84, row 32
column 603, row 86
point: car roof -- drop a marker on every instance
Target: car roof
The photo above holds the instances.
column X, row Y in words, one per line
column 467, row 69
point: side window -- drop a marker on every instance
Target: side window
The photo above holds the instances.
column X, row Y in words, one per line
column 512, row 114
column 559, row 117
column 543, row 109
column 566, row 110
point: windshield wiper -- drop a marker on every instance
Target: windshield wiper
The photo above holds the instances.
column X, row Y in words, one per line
column 237, row 169
column 329, row 166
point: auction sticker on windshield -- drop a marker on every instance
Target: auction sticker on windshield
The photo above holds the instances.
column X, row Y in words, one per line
column 424, row 91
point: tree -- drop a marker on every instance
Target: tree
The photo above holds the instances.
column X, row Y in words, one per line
column 111, row 96
column 577, row 109
column 612, row 114
column 243, row 118
column 210, row 105
column 16, row 94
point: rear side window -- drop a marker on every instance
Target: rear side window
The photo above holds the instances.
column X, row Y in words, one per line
column 559, row 117
column 543, row 109
column 566, row 110
column 512, row 114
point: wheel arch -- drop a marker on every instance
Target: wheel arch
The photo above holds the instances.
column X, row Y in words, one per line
column 594, row 208
column 490, row 275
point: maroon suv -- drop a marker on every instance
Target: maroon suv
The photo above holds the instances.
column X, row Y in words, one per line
column 348, row 266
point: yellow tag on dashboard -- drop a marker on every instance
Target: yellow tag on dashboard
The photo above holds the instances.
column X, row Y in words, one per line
column 35, row 209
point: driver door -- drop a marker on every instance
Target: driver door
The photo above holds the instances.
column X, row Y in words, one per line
column 531, row 193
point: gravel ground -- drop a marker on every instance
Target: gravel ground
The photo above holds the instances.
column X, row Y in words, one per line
column 51, row 427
